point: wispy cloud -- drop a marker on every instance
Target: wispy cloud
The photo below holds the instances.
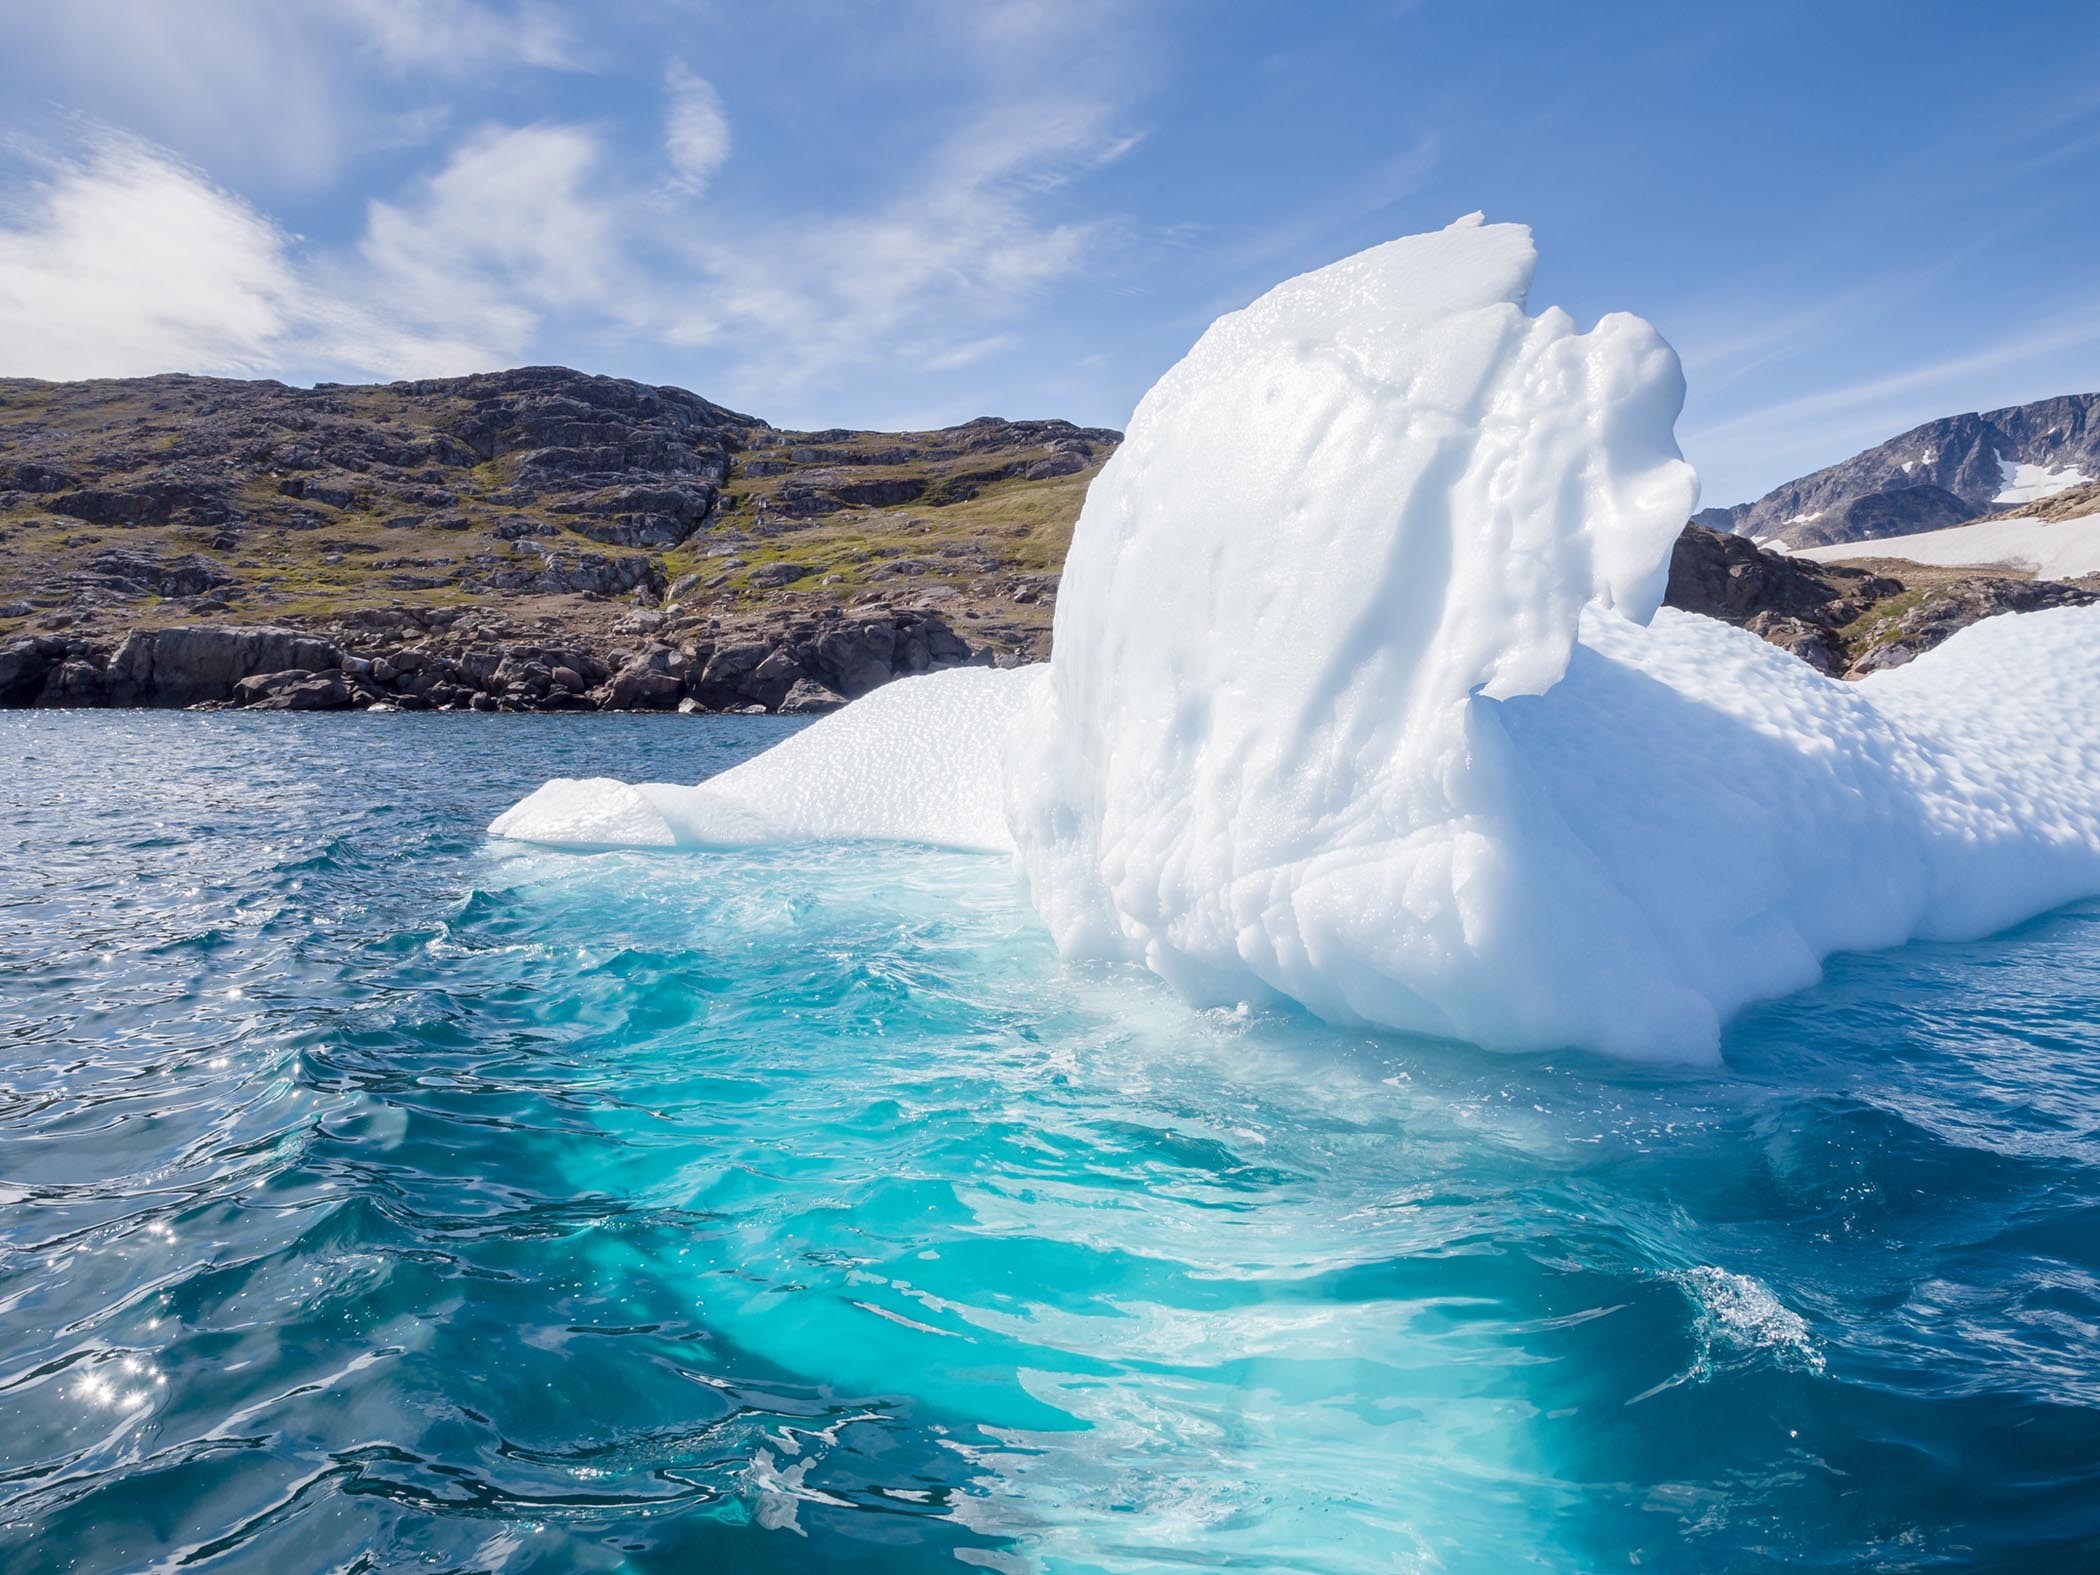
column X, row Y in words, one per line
column 127, row 262
column 518, row 223
column 203, row 77
column 269, row 92
column 1875, row 394
column 696, row 129
column 511, row 240
column 921, row 274
column 463, row 35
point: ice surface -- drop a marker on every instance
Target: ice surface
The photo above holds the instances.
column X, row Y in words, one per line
column 1357, row 703
column 2053, row 549
column 916, row 761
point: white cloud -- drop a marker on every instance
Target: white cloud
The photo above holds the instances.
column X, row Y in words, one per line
column 127, row 262
column 534, row 242
column 458, row 35
column 513, row 227
column 696, row 130
column 130, row 263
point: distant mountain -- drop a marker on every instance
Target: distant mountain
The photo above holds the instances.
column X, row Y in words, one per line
column 1940, row 474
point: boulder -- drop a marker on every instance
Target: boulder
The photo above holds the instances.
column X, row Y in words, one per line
column 262, row 685
column 639, row 687
column 806, row 697
column 197, row 664
column 1815, row 644
column 769, row 682
column 75, row 683
column 25, row 665
column 856, row 657
column 304, row 692
column 728, row 667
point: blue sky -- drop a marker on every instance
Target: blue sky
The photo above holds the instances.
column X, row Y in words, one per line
column 1847, row 217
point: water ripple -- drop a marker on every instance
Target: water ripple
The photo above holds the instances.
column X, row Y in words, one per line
column 375, row 1197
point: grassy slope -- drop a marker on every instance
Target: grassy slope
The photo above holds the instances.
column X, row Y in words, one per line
column 963, row 542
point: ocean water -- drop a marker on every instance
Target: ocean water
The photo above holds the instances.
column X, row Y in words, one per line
column 374, row 1197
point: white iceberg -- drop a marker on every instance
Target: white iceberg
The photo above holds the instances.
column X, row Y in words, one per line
column 915, row 761
column 1361, row 700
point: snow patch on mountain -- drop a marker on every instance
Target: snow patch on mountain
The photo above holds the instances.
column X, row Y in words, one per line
column 2032, row 483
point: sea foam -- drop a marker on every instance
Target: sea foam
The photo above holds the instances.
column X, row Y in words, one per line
column 1361, row 700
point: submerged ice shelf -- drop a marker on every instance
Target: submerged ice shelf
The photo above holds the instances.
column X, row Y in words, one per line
column 1361, row 700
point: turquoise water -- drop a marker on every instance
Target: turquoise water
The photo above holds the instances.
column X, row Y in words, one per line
column 376, row 1197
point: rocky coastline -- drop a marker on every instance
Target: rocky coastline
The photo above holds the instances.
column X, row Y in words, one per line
column 445, row 660
column 1843, row 620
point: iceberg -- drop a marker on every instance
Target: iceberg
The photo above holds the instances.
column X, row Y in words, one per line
column 915, row 761
column 1361, row 700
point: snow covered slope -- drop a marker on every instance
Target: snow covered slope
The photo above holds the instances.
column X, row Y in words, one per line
column 1357, row 703
column 2051, row 549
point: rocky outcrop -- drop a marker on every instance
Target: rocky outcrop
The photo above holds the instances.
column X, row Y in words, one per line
column 1911, row 630
column 435, row 661
column 1731, row 578
column 1839, row 618
column 541, row 539
column 1798, row 605
column 190, row 666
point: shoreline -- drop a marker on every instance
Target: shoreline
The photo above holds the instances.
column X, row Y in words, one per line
column 471, row 663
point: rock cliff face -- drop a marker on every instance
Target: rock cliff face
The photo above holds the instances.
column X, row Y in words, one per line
column 1939, row 474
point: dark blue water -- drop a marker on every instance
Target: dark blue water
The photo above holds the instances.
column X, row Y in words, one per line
column 376, row 1197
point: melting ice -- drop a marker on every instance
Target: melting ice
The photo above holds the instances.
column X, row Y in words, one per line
column 1361, row 699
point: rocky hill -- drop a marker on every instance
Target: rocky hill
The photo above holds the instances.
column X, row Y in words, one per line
column 1942, row 473
column 541, row 539
column 501, row 491
column 532, row 508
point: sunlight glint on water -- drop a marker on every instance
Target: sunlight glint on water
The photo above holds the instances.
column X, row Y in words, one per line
column 370, row 1185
